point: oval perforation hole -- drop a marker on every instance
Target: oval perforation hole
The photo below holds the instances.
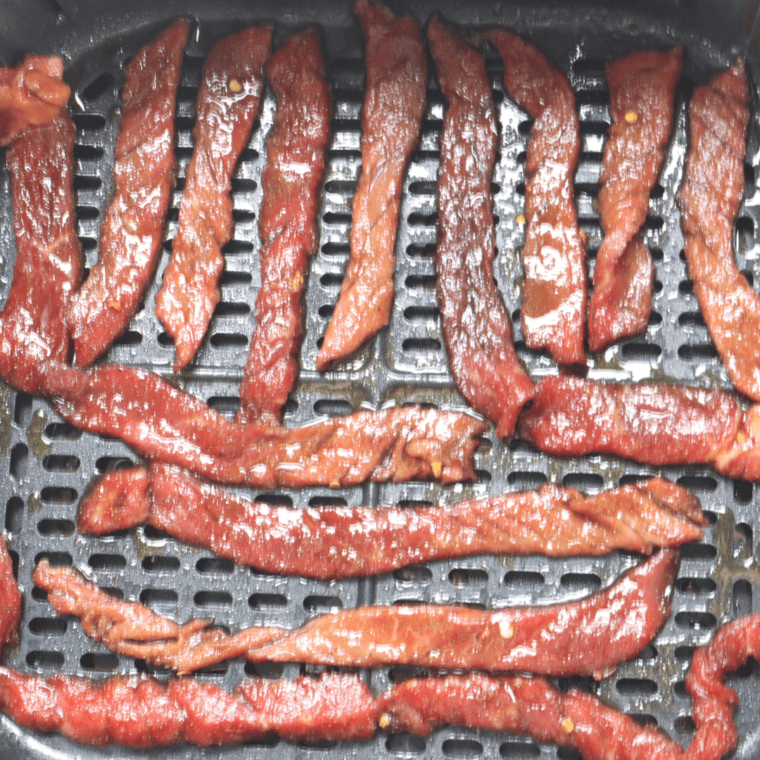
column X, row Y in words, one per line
column 332, row 407
column 465, row 576
column 421, row 250
column 584, row 481
column 102, row 662
column 225, row 405
column 413, row 574
column 19, row 461
column 112, row 464
column 271, row 670
column 585, row 583
column 741, row 598
column 61, row 463
column 420, row 281
column 158, row 563
column 159, row 597
column 321, row 502
column 694, row 353
column 638, row 351
column 519, row 750
column 129, row 338
column 62, row 431
column 261, row 601
column 111, row 562
column 421, row 345
column 331, row 279
column 743, row 540
column 645, row 719
column 228, row 340
column 405, row 745
column 55, row 527
column 319, row 604
column 695, row 620
column 462, row 748
column 526, row 481
column 522, row 581
column 213, row 599
column 55, row 559
column 56, row 626
column 699, row 483
column 45, row 660
column 698, row 551
column 14, row 514
column 58, row 495
column 636, row 687
column 696, row 586
column 235, row 278
column 274, row 499
column 215, row 566
column 421, row 313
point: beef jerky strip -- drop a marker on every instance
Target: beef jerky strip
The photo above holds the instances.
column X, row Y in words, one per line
column 163, row 423
column 476, row 326
column 31, row 94
column 642, row 86
column 588, row 637
column 296, row 154
column 554, row 292
column 228, row 100
column 142, row 712
column 709, row 199
column 48, row 266
column 354, row 541
column 132, row 228
column 393, row 106
column 578, row 720
column 653, row 423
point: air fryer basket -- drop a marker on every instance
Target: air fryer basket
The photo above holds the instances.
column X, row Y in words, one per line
column 49, row 465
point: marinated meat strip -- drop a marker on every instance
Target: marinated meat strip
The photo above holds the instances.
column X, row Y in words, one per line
column 31, row 94
column 554, row 293
column 642, row 87
column 132, row 227
column 228, row 101
column 589, row 637
column 709, row 198
column 48, row 266
column 296, row 154
column 476, row 325
column 653, row 423
column 578, row 720
column 344, row 542
column 161, row 422
column 394, row 102
column 10, row 600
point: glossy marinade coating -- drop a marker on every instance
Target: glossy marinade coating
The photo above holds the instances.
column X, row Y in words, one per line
column 553, row 309
column 228, row 101
column 589, row 637
column 354, row 541
column 48, row 266
column 296, row 155
column 476, row 325
column 709, row 198
column 394, row 103
column 642, row 87
column 133, row 224
column 10, row 600
column 163, row 423
column 31, row 94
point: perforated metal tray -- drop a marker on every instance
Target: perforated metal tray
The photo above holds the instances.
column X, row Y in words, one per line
column 49, row 465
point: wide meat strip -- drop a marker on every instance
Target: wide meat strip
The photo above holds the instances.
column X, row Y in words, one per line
column 642, row 86
column 709, row 198
column 228, row 101
column 394, row 102
column 588, row 637
column 653, row 423
column 356, row 541
column 166, row 424
column 553, row 307
column 476, row 326
column 48, row 266
column 31, row 94
column 133, row 224
column 296, row 154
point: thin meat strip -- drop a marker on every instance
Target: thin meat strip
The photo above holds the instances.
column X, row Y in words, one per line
column 356, row 541
column 589, row 637
column 653, row 423
column 642, row 86
column 48, row 266
column 228, row 101
column 132, row 228
column 296, row 154
column 393, row 106
column 553, row 307
column 476, row 325
column 163, row 423
column 31, row 94
column 709, row 198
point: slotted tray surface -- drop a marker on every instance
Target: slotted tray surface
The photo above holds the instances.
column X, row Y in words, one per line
column 49, row 465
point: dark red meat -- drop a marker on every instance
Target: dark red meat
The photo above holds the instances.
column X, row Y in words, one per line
column 337, row 543
column 132, row 228
column 296, row 153
column 10, row 600
column 476, row 325
column 394, row 102
column 554, row 292
column 654, row 423
column 228, row 100
column 31, row 94
column 589, row 637
column 642, row 86
column 48, row 266
column 164, row 423
column 709, row 198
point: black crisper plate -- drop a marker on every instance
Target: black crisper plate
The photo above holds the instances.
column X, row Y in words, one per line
column 49, row 465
